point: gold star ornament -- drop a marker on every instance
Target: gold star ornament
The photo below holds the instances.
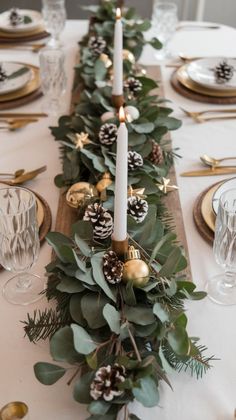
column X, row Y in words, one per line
column 138, row 192
column 165, row 186
column 81, row 139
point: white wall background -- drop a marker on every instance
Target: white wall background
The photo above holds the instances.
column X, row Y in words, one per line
column 222, row 11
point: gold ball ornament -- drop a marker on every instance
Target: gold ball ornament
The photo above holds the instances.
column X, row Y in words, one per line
column 79, row 193
column 104, row 182
column 135, row 269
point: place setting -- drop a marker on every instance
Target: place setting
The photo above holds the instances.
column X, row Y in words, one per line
column 19, row 84
column 21, row 25
column 210, row 80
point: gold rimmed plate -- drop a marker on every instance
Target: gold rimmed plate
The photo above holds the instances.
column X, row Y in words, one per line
column 22, row 34
column 30, row 87
column 184, row 79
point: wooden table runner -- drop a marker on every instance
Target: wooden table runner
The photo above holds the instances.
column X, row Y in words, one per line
column 66, row 216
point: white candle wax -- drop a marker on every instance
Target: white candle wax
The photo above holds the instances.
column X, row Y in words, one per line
column 117, row 88
column 121, row 184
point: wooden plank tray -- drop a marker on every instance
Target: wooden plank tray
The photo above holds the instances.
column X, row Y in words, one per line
column 66, row 216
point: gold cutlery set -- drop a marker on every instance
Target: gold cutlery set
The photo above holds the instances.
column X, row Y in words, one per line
column 214, row 167
column 11, row 121
column 20, row 176
column 201, row 117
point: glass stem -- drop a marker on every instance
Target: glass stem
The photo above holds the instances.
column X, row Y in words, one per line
column 230, row 279
column 24, row 281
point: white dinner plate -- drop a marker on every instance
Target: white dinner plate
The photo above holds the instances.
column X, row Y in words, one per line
column 225, row 186
column 5, row 24
column 201, row 72
column 10, row 85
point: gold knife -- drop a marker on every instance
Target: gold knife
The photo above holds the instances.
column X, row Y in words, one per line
column 210, row 172
column 22, row 114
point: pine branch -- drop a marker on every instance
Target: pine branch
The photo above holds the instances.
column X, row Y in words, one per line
column 197, row 364
column 43, row 324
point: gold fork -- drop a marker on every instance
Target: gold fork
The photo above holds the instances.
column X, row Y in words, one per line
column 200, row 119
column 14, row 124
column 194, row 114
column 32, row 47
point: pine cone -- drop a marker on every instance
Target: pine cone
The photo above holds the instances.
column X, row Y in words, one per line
column 112, row 267
column 15, row 18
column 137, row 208
column 108, row 133
column 135, row 160
column 3, row 75
column 97, row 45
column 156, row 155
column 105, row 382
column 223, row 72
column 101, row 220
column 133, row 85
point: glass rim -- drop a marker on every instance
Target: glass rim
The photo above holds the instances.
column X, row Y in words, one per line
column 23, row 211
column 165, row 4
column 221, row 202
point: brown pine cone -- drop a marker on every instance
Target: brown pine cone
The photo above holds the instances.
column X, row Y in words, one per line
column 135, row 160
column 133, row 85
column 156, row 155
column 105, row 382
column 112, row 268
column 101, row 220
column 97, row 45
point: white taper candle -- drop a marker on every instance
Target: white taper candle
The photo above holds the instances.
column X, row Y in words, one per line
column 117, row 88
column 121, row 181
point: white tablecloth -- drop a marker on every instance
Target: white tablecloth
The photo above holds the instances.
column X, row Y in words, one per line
column 210, row 398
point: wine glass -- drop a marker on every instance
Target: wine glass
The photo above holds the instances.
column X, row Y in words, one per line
column 222, row 288
column 54, row 15
column 164, row 22
column 19, row 244
column 53, row 78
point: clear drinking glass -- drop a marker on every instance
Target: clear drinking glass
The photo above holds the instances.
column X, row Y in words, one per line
column 19, row 244
column 53, row 78
column 222, row 288
column 164, row 22
column 54, row 15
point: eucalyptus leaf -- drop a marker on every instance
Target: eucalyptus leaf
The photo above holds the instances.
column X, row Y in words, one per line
column 143, row 128
column 141, row 315
column 48, row 373
column 160, row 311
column 92, row 306
column 99, row 407
column 62, row 346
column 76, row 311
column 98, row 275
column 83, row 245
column 178, row 340
column 82, row 388
column 100, row 70
column 80, row 263
column 146, row 392
column 112, row 317
column 82, row 341
column 18, row 73
column 70, row 285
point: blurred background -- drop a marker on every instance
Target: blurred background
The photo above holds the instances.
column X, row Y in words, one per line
column 209, row 10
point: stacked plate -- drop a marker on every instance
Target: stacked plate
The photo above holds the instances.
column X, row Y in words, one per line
column 206, row 207
column 18, row 80
column 29, row 27
column 198, row 76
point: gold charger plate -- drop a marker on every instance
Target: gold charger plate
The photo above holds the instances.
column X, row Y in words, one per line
column 22, row 34
column 30, row 87
column 184, row 79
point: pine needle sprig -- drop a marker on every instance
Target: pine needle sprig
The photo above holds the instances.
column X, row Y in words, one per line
column 43, row 324
column 196, row 364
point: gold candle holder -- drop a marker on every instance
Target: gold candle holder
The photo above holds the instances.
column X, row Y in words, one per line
column 120, row 247
column 118, row 101
column 14, row 410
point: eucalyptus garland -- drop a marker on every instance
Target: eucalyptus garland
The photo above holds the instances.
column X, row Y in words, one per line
column 119, row 337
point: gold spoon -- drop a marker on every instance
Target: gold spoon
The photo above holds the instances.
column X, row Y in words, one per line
column 17, row 173
column 212, row 162
column 26, row 176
